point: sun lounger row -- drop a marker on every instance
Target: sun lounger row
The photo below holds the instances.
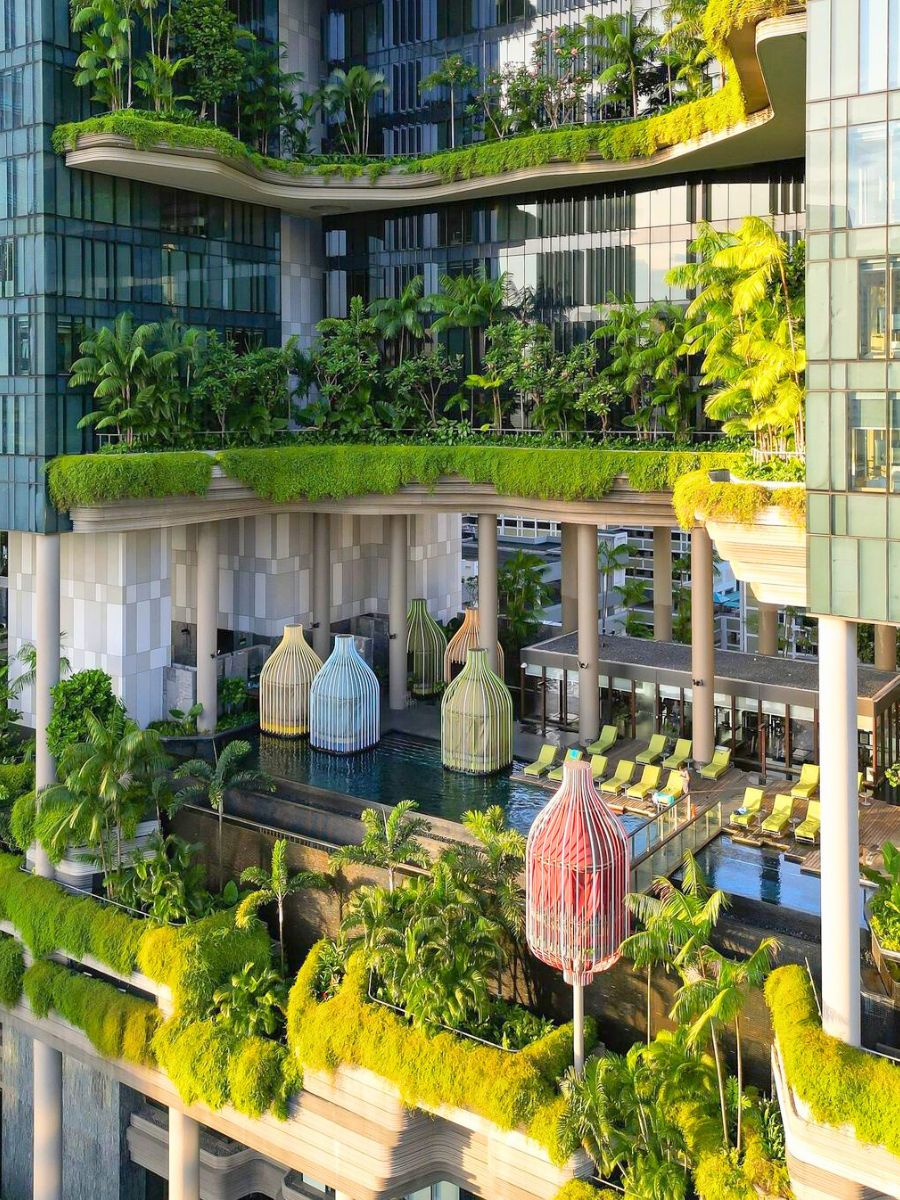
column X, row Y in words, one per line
column 546, row 762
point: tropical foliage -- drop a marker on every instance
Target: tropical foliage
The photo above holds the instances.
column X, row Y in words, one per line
column 274, row 887
column 391, row 839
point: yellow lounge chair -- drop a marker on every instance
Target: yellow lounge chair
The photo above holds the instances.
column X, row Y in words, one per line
column 808, row 829
column 646, row 785
column 670, row 793
column 618, row 782
column 680, row 755
column 571, row 756
column 544, row 762
column 778, row 820
column 605, row 741
column 656, row 748
column 598, row 766
column 748, row 814
column 808, row 783
column 721, row 761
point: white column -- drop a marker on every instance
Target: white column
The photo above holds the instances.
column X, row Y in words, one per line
column 47, row 1118
column 46, row 640
column 703, row 655
column 207, row 623
column 662, row 583
column 886, row 647
column 184, row 1157
column 568, row 581
column 767, row 632
column 321, row 605
column 487, row 585
column 397, row 600
column 588, row 635
column 840, row 829
column 578, row 1027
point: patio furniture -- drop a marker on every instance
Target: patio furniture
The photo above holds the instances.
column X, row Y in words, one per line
column 716, row 768
column 780, row 817
column 670, row 793
column 544, row 761
column 605, row 742
column 571, row 756
column 808, row 783
column 808, row 830
column 751, row 807
column 680, row 755
column 656, row 748
column 620, row 780
column 598, row 766
column 646, row 785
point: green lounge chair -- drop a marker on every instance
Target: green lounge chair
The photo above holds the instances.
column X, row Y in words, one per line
column 680, row 755
column 808, row 829
column 656, row 748
column 808, row 783
column 748, row 814
column 544, row 761
column 618, row 782
column 605, row 741
column 670, row 793
column 646, row 785
column 598, row 766
column 778, row 820
column 571, row 756
column 721, row 761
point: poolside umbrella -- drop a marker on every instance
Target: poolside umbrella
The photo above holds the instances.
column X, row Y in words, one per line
column 344, row 702
column 466, row 638
column 577, row 867
column 476, row 719
column 425, row 646
column 284, row 684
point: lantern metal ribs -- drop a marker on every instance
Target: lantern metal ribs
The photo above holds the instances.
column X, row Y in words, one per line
column 577, row 868
column 476, row 719
column 425, row 646
column 344, row 702
column 284, row 684
column 466, row 638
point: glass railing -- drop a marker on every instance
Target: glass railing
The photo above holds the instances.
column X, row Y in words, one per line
column 663, row 855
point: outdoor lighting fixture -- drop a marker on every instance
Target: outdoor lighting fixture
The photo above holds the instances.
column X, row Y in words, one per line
column 425, row 647
column 344, row 702
column 284, row 684
column 577, row 868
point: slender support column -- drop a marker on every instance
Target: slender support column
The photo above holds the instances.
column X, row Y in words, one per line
column 703, row 655
column 886, row 647
column 321, row 605
column 47, row 1110
column 840, row 829
column 588, row 635
column 184, row 1157
column 662, row 583
column 46, row 640
column 397, row 587
column 578, row 1026
column 569, row 577
column 207, row 623
column 487, row 585
column 767, row 634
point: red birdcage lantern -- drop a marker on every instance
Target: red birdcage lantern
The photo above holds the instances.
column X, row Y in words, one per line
column 577, row 867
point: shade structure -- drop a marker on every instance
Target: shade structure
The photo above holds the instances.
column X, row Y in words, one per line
column 577, row 867
column 425, row 646
column 466, row 638
column 476, row 719
column 284, row 684
column 344, row 702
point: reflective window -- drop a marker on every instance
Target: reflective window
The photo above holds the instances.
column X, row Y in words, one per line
column 867, row 175
column 868, row 442
column 879, row 308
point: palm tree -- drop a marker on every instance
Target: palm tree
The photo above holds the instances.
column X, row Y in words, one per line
column 348, row 95
column 213, row 784
column 470, row 302
column 454, row 72
column 390, row 840
column 610, row 559
column 627, row 43
column 276, row 885
column 400, row 318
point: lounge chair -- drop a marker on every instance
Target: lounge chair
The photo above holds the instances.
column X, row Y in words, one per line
column 605, row 741
column 748, row 814
column 808, row 830
column 670, row 793
column 544, row 762
column 656, row 748
column 571, row 756
column 680, row 755
column 721, row 761
column 808, row 783
column 620, row 780
column 778, row 820
column 598, row 766
column 646, row 785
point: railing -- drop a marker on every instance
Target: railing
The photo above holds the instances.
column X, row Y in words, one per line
column 664, row 857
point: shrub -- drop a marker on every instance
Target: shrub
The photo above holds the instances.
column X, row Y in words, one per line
column 12, row 969
column 260, row 1077
column 22, row 818
column 100, row 478
column 696, row 494
column 16, row 778
column 581, row 1189
column 85, row 691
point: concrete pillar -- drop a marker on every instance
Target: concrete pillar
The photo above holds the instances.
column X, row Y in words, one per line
column 487, row 585
column 839, row 836
column 569, row 576
column 46, row 640
column 662, row 583
column 321, row 604
column 47, row 1113
column 886, row 647
column 398, row 536
column 184, row 1157
column 767, row 631
column 588, row 636
column 703, row 655
column 207, row 623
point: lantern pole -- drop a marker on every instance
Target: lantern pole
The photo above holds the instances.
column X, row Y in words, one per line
column 578, row 1025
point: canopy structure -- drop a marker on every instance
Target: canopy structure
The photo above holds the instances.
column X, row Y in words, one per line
column 466, row 638
column 425, row 647
column 345, row 707
column 476, row 719
column 284, row 684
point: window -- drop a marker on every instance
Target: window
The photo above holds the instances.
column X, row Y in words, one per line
column 7, row 267
column 867, row 175
column 879, row 308
column 868, row 442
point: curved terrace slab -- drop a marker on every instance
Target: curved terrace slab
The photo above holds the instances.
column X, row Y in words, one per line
column 770, row 59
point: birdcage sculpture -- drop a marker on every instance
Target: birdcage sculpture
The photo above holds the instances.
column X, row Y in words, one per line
column 425, row 647
column 476, row 719
column 284, row 685
column 344, row 702
column 466, row 638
